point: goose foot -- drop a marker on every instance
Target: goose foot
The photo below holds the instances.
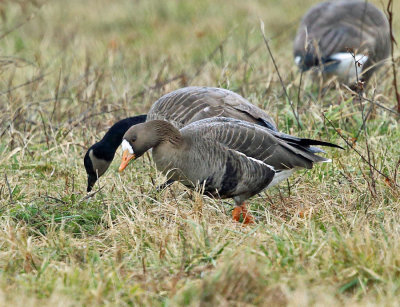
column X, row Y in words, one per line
column 241, row 211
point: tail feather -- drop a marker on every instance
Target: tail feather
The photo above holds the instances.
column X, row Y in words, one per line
column 308, row 142
column 306, row 153
column 293, row 140
column 316, row 150
column 263, row 122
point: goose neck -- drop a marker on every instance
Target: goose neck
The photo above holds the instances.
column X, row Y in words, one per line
column 113, row 137
column 167, row 133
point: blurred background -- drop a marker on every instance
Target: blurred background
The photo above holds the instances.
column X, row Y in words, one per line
column 70, row 69
column 81, row 58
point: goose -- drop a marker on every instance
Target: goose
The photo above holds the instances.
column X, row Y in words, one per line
column 231, row 158
column 349, row 39
column 100, row 155
column 179, row 107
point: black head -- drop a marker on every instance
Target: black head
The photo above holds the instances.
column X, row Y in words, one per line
column 97, row 160
column 99, row 156
column 307, row 61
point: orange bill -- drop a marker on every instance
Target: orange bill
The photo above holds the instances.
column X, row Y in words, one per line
column 126, row 157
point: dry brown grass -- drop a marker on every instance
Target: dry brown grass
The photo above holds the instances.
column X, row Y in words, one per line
column 70, row 70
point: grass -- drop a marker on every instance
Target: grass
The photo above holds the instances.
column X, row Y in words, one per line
column 68, row 71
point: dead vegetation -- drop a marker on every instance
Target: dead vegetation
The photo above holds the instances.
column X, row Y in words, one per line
column 330, row 236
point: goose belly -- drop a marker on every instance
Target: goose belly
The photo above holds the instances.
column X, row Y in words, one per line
column 182, row 168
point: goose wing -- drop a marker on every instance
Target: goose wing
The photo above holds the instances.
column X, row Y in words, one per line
column 223, row 171
column 190, row 104
column 280, row 151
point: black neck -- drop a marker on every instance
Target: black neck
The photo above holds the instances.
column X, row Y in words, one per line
column 113, row 137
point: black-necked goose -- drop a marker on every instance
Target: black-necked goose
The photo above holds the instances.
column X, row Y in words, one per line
column 329, row 30
column 179, row 107
column 100, row 155
column 231, row 158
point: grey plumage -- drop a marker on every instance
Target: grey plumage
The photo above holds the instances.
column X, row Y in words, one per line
column 179, row 107
column 190, row 104
column 329, row 29
column 255, row 142
column 232, row 158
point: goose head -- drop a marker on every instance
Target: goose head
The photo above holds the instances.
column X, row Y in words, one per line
column 99, row 156
column 136, row 141
column 142, row 137
column 97, row 160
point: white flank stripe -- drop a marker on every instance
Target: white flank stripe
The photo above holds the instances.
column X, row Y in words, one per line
column 259, row 161
column 255, row 160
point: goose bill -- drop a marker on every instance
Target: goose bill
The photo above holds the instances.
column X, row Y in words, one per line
column 126, row 157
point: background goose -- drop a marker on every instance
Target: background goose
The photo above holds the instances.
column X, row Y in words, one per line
column 232, row 158
column 179, row 107
column 329, row 29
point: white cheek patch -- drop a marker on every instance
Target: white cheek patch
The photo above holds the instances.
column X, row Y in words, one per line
column 126, row 146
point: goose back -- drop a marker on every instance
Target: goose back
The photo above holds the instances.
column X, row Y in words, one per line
column 190, row 104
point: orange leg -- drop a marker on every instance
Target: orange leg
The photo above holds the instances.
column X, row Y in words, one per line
column 241, row 211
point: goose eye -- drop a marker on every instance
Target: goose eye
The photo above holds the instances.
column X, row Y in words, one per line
column 133, row 139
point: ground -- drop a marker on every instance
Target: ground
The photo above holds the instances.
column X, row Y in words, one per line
column 70, row 69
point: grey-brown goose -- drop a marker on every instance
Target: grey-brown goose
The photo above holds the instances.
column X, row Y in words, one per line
column 179, row 107
column 330, row 29
column 232, row 158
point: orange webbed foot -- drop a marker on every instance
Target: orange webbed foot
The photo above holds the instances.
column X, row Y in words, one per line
column 241, row 211
column 236, row 213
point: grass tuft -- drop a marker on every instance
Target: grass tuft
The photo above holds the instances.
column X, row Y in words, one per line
column 329, row 236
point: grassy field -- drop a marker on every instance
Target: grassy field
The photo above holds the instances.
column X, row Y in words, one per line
column 70, row 69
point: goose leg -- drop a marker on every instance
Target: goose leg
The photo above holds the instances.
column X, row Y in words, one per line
column 241, row 210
